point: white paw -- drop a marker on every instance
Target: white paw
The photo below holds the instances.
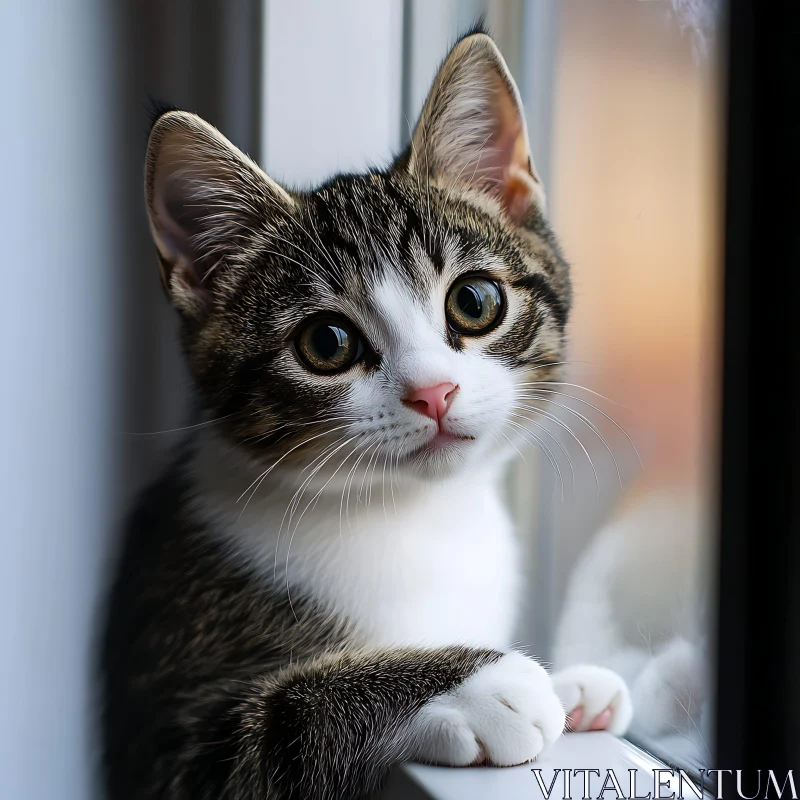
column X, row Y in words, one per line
column 672, row 690
column 595, row 699
column 504, row 714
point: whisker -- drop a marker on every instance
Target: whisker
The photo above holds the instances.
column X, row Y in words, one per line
column 383, row 485
column 586, row 421
column 530, row 367
column 375, row 448
column 569, row 430
column 320, row 460
column 548, row 453
column 348, row 483
column 538, row 442
column 391, row 482
column 372, row 479
column 184, row 428
column 556, row 442
column 599, row 411
column 288, row 452
column 509, row 440
column 298, row 495
column 324, row 486
column 361, row 488
column 397, row 467
column 315, row 471
column 258, row 438
column 576, row 386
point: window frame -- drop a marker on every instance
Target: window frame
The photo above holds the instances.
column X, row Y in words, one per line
column 758, row 630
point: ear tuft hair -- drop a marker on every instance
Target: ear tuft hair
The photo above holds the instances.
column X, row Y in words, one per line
column 478, row 26
column 155, row 109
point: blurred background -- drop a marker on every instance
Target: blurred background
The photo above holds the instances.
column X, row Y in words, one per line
column 623, row 102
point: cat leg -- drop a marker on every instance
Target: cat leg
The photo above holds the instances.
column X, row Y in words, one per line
column 595, row 698
column 334, row 726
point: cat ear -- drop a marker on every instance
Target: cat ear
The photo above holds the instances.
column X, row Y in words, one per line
column 205, row 198
column 472, row 131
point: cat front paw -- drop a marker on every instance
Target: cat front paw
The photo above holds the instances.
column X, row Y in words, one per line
column 504, row 714
column 595, row 699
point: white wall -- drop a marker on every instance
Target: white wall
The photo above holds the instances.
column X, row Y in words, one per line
column 56, row 412
column 332, row 86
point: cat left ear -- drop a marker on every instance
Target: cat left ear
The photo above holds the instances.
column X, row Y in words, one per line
column 472, row 130
column 205, row 199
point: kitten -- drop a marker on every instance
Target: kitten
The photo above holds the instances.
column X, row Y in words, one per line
column 324, row 582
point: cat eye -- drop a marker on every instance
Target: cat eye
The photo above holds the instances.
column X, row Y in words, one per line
column 474, row 305
column 329, row 344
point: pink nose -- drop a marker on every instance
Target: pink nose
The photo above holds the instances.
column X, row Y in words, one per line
column 432, row 401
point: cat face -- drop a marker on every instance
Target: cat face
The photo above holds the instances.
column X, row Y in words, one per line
column 387, row 319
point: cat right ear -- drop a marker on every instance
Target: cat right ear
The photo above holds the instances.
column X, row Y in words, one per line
column 205, row 200
column 472, row 132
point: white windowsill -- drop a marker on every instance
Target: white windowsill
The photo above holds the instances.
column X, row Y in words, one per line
column 599, row 751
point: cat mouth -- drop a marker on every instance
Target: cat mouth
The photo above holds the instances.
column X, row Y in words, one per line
column 441, row 441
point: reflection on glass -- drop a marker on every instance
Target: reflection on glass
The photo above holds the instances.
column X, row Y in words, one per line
column 635, row 191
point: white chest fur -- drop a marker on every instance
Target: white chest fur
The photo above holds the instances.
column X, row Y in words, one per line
column 437, row 566
column 438, row 570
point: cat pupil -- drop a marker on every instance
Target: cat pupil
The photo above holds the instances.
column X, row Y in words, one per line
column 328, row 340
column 470, row 302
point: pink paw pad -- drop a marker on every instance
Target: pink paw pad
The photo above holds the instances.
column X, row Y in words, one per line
column 599, row 723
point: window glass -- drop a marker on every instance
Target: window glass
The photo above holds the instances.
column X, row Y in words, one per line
column 636, row 196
